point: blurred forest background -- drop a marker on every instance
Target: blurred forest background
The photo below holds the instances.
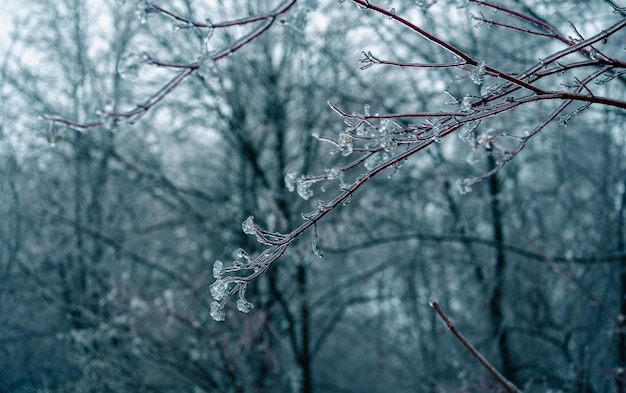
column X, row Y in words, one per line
column 108, row 237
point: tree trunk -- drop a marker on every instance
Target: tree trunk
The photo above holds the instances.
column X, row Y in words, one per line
column 496, row 303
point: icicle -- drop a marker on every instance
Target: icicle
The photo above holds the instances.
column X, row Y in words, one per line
column 314, row 248
column 206, row 45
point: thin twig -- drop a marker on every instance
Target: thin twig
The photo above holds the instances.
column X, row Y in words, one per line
column 508, row 385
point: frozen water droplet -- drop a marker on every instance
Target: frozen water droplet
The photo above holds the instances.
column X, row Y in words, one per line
column 181, row 26
column 218, row 269
column 425, row 4
column 248, row 226
column 217, row 312
column 361, row 6
column 392, row 12
column 130, row 65
column 142, row 10
column 244, row 306
column 371, row 162
column 347, row 201
column 374, row 160
column 433, row 301
column 241, row 254
column 290, row 180
column 207, row 67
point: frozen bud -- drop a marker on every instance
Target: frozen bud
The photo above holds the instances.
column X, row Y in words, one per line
column 464, row 186
column 244, row 306
column 217, row 312
column 218, row 289
column 333, row 173
column 248, row 226
column 304, row 189
column 218, row 269
column 290, row 180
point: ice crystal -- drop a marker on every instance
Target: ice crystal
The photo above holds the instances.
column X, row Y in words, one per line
column 467, row 131
column 466, row 104
column 387, row 142
column 478, row 73
column 372, row 161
